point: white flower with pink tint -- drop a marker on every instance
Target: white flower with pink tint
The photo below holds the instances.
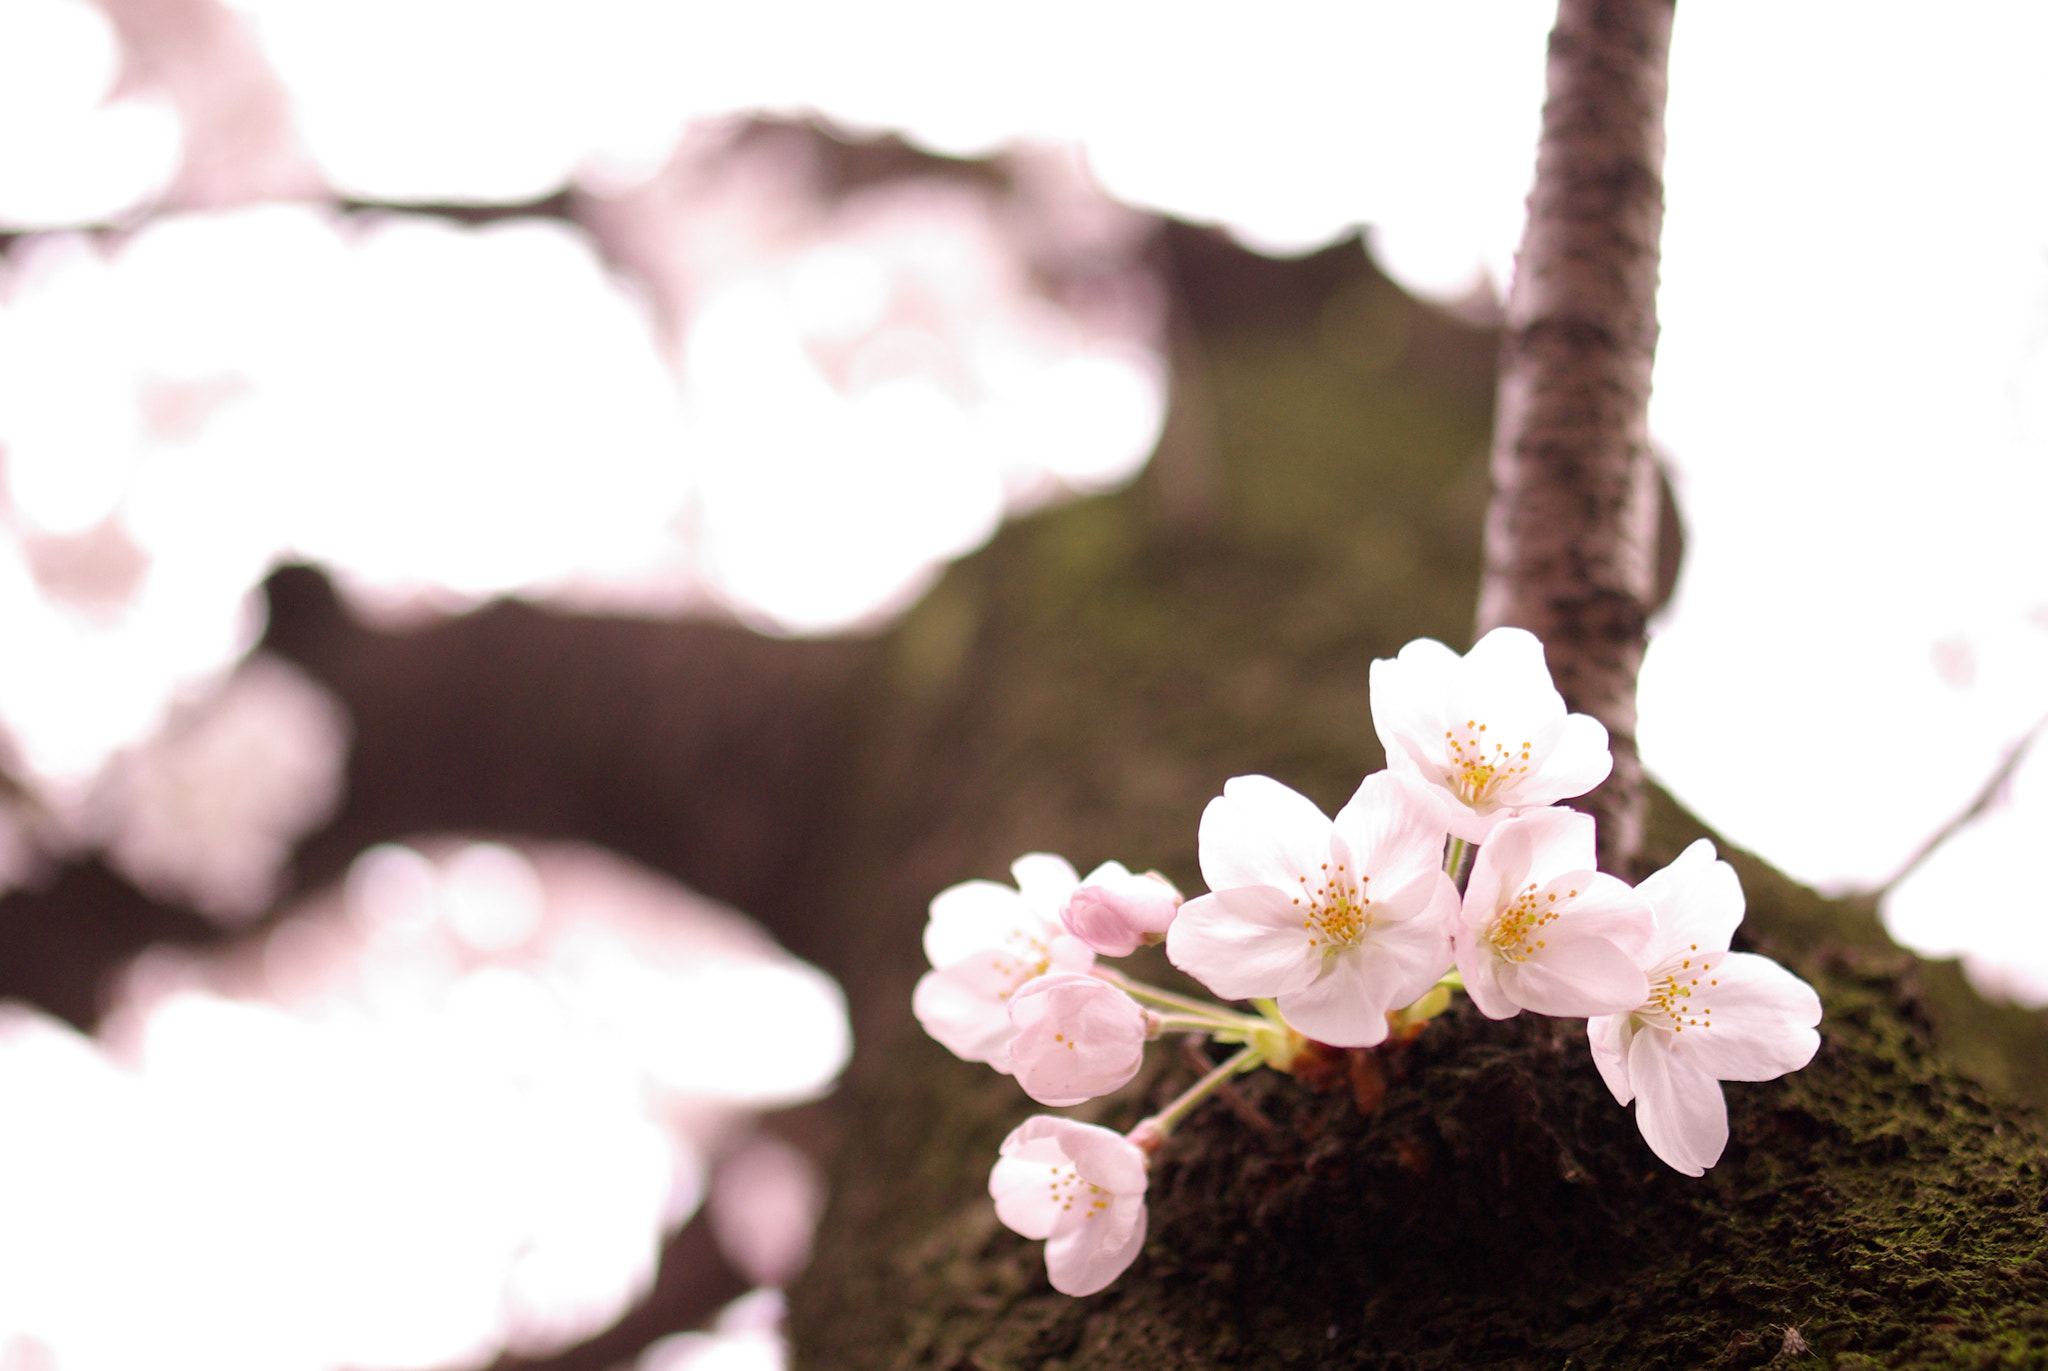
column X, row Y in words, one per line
column 1079, row 1187
column 1075, row 1038
column 1542, row 930
column 1115, row 912
column 1486, row 733
column 1339, row 921
column 1710, row 1015
column 985, row 940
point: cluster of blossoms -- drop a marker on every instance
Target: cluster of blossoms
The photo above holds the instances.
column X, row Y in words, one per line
column 1452, row 869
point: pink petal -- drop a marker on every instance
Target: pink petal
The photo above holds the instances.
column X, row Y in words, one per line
column 1607, row 1035
column 1258, row 832
column 965, row 1007
column 1604, row 909
column 1045, row 881
column 1022, row 1190
column 1076, row 1038
column 1697, row 900
column 1763, row 1020
column 1347, row 1005
column 1480, row 970
column 1105, row 1158
column 1087, row 1256
column 1244, row 943
column 1504, row 683
column 1408, row 695
column 1592, row 977
column 974, row 915
column 1571, row 763
column 1678, row 1106
column 1395, row 831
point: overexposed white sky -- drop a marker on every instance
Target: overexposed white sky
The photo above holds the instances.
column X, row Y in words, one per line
column 1852, row 386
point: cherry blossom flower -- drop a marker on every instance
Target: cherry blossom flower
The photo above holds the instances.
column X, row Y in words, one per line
column 1486, row 733
column 1710, row 1015
column 1080, row 1187
column 1114, row 912
column 1541, row 929
column 1076, row 1037
column 1339, row 921
column 985, row 940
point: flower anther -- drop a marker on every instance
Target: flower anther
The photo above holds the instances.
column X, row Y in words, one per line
column 1540, row 929
column 1710, row 1015
column 1079, row 1187
column 1486, row 733
column 1339, row 921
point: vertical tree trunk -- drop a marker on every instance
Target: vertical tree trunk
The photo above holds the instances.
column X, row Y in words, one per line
column 1571, row 536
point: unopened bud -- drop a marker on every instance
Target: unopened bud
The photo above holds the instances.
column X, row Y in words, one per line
column 1116, row 912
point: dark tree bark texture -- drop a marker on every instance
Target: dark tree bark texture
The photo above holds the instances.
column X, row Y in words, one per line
column 1571, row 537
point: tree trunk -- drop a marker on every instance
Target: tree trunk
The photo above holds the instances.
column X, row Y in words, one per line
column 1571, row 538
column 1084, row 686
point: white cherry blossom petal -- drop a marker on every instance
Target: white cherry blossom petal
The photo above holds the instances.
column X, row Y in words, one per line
column 1347, row 1005
column 1080, row 1187
column 1082, row 1261
column 1486, row 733
column 1243, row 943
column 1539, row 930
column 1608, row 1037
column 1505, row 682
column 1258, row 832
column 1698, row 900
column 1679, row 1108
column 984, row 941
column 974, row 915
column 1075, row 1038
column 1593, row 977
column 1762, row 1019
column 1394, row 828
column 1026, row 1201
column 1045, row 881
column 1577, row 759
column 1709, row 1016
column 965, row 1008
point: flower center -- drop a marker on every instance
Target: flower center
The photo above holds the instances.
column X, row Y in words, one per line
column 1479, row 768
column 1337, row 907
column 1025, row 957
column 1676, row 995
column 1068, row 1188
column 1513, row 931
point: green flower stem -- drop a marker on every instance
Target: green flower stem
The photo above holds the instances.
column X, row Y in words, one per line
column 1166, row 1120
column 1234, row 1029
column 1187, row 1004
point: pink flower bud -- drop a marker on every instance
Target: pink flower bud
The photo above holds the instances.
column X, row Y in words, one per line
column 1115, row 912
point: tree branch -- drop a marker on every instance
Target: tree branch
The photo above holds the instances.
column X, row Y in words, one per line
column 1571, row 534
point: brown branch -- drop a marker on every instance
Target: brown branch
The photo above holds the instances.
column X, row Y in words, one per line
column 1987, row 794
column 1571, row 534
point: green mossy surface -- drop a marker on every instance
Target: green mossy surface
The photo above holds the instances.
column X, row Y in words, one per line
column 1084, row 686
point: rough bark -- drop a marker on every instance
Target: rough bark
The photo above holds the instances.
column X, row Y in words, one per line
column 1571, row 539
